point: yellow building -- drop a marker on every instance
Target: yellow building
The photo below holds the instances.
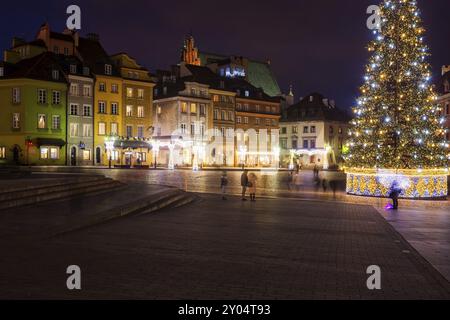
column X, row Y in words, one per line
column 133, row 144
column 107, row 117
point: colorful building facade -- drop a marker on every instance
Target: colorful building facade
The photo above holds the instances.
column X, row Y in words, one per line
column 33, row 95
column 137, row 102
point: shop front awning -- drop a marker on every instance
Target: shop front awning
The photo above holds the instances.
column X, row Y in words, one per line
column 50, row 142
column 131, row 144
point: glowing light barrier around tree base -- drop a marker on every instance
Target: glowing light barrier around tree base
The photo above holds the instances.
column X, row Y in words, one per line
column 415, row 184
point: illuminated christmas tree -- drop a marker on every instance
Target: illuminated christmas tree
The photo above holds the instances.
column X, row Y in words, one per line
column 397, row 123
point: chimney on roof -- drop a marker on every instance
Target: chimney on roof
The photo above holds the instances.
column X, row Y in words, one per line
column 269, row 62
column 325, row 102
column 332, row 104
column 445, row 69
column 93, row 37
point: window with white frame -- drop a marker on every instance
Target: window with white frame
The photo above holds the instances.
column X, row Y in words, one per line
column 102, row 87
column 16, row 95
column 102, row 107
column 313, row 129
column 73, row 129
column 216, row 114
column 42, row 121
column 246, row 120
column 114, row 108
column 230, row 115
column 42, row 96
column 56, row 97
column 87, row 90
column 140, row 93
column 108, row 69
column 2, row 72
column 49, row 153
column 183, row 128
column 74, row 89
column 238, row 120
column 193, row 108
column 114, row 88
column 114, row 129
column 101, row 128
column 73, row 68
column 140, row 112
column 55, row 74
column 87, row 110
column 16, row 121
column 257, row 121
column 73, row 109
column 87, row 130
column 129, row 110
column 56, row 122
column 268, row 122
column 202, row 109
column 224, row 115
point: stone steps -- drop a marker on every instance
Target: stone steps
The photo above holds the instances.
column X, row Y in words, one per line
column 165, row 199
column 18, row 196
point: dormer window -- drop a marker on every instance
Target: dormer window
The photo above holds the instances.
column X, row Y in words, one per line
column 311, row 99
column 55, row 75
column 222, row 84
column 108, row 69
column 73, row 68
column 86, row 71
column 2, row 72
column 165, row 91
column 247, row 93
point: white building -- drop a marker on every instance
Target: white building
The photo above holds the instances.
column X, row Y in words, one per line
column 313, row 132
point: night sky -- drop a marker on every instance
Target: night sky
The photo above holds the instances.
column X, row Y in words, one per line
column 316, row 45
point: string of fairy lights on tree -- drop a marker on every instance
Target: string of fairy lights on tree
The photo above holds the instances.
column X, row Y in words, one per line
column 397, row 123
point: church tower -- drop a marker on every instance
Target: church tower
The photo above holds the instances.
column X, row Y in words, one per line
column 190, row 52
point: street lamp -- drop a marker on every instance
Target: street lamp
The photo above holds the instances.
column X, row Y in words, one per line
column 155, row 150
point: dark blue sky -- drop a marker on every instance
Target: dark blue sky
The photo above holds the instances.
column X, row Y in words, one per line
column 317, row 45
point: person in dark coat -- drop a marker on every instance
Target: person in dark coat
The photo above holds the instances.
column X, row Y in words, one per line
column 394, row 194
column 244, row 184
column 223, row 185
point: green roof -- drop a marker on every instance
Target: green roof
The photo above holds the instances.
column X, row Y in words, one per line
column 259, row 73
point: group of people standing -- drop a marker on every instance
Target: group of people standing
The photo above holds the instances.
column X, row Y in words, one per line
column 248, row 184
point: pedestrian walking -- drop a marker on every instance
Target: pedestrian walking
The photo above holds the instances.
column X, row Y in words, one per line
column 324, row 185
column 223, row 185
column 244, row 184
column 333, row 186
column 290, row 180
column 316, row 171
column 252, row 181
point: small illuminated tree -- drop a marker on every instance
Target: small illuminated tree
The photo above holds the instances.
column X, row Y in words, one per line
column 397, row 123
